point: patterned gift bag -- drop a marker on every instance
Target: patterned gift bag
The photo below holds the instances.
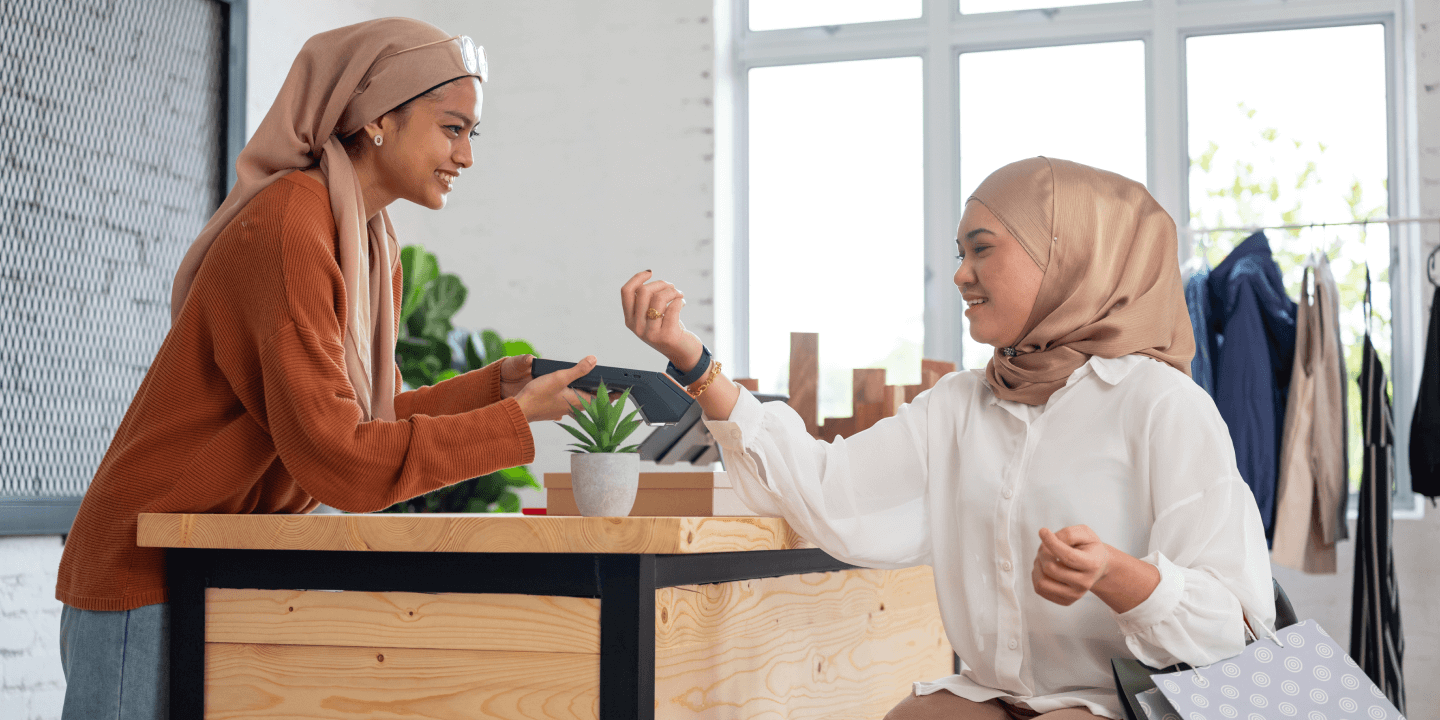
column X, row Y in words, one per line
column 1300, row 673
column 1155, row 706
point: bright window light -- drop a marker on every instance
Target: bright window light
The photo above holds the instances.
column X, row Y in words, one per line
column 779, row 14
column 1305, row 141
column 837, row 221
column 1084, row 103
column 971, row 7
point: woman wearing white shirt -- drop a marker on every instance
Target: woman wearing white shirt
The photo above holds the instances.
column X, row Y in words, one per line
column 1085, row 422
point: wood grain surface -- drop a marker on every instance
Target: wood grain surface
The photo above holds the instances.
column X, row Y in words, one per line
column 824, row 645
column 296, row 681
column 661, row 502
column 455, row 621
column 387, row 532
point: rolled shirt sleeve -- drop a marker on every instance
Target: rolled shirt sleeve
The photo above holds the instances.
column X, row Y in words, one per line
column 1207, row 542
column 862, row 499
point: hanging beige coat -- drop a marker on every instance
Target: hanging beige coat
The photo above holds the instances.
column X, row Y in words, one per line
column 1312, row 486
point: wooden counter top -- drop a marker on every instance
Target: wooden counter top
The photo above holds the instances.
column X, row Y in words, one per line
column 477, row 533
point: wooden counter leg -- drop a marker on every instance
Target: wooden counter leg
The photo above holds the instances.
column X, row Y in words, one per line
column 185, row 578
column 627, row 636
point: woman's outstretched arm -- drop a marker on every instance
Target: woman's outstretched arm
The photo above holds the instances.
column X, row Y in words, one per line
column 863, row 499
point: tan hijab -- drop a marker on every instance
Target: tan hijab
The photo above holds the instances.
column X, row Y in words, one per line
column 1112, row 276
column 341, row 80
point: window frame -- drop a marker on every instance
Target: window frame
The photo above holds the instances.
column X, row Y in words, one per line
column 941, row 34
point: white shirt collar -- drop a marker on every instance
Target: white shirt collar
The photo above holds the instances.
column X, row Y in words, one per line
column 1111, row 371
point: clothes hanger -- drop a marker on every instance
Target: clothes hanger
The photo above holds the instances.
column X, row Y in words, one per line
column 1430, row 267
column 1365, row 305
column 1199, row 258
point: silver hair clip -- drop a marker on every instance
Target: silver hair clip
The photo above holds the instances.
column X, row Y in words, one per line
column 1008, row 352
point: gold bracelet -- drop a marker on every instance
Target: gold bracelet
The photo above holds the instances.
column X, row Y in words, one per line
column 714, row 370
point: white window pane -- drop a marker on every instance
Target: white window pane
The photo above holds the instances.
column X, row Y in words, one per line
column 1084, row 103
column 778, row 14
column 837, row 221
column 1305, row 140
column 971, row 7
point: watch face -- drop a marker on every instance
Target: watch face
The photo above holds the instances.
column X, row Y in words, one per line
column 474, row 57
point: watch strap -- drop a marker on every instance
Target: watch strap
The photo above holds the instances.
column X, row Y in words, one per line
column 697, row 372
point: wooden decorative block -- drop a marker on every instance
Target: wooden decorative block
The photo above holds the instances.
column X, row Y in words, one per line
column 894, row 397
column 868, row 398
column 932, row 370
column 805, row 378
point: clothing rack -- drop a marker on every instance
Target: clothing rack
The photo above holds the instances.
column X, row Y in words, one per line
column 1300, row 226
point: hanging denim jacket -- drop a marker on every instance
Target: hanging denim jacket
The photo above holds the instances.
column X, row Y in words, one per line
column 1252, row 330
column 1197, row 301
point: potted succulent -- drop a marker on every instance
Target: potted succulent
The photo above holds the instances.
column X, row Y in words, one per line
column 603, row 475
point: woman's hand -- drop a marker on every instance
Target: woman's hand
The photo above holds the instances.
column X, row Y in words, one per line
column 652, row 312
column 548, row 397
column 514, row 375
column 1069, row 563
column 1074, row 561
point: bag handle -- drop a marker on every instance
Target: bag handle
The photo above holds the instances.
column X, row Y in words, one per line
column 1250, row 629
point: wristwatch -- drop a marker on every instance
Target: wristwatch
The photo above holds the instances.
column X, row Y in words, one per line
column 697, row 372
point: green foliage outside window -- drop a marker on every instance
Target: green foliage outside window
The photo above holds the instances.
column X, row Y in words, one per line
column 430, row 350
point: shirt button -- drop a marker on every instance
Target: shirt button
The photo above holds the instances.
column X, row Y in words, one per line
column 1014, row 644
column 1005, row 566
column 1008, row 493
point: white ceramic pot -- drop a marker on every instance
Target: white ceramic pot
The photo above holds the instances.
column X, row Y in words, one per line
column 605, row 483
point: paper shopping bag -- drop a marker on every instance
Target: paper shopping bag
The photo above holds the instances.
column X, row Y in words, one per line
column 1304, row 675
column 1155, row 706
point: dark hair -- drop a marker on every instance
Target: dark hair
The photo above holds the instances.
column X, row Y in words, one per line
column 352, row 142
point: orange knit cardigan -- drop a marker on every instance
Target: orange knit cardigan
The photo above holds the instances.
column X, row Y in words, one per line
column 247, row 408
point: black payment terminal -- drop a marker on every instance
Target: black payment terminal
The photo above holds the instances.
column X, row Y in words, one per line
column 660, row 400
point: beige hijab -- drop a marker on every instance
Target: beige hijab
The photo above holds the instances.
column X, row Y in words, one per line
column 1112, row 276
column 342, row 80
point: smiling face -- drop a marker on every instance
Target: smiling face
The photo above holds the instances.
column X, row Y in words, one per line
column 426, row 144
column 997, row 278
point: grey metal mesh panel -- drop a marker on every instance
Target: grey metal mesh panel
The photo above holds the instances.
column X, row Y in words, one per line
column 111, row 117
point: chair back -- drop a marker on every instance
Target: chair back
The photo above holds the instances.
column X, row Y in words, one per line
column 1284, row 611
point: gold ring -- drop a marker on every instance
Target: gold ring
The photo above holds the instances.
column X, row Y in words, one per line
column 654, row 314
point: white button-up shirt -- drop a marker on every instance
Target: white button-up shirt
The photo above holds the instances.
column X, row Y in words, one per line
column 963, row 481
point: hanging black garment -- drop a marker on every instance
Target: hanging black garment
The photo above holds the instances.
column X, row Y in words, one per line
column 1425, row 426
column 1376, row 641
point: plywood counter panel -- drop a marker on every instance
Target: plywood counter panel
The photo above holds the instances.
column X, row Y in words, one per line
column 389, row 532
column 455, row 621
column 254, row 682
column 825, row 645
column 431, row 616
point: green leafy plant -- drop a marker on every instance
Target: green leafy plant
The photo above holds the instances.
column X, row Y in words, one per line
column 603, row 428
column 430, row 350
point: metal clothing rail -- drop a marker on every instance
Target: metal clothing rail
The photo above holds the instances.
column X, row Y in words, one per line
column 1301, row 226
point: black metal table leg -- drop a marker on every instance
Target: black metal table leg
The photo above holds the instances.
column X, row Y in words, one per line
column 185, row 571
column 627, row 636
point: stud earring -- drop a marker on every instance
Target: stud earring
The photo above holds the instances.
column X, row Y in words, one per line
column 379, row 141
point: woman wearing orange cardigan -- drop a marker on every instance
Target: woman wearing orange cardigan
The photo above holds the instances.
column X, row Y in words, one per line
column 275, row 389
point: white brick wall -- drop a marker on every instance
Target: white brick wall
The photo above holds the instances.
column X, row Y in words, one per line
column 32, row 686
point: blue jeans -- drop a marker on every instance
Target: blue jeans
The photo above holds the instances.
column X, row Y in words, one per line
column 117, row 664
